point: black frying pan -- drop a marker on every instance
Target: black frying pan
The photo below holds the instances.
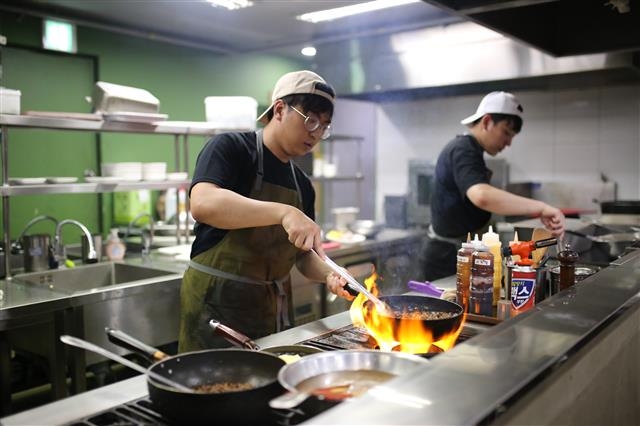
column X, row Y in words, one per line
column 192, row 369
column 398, row 305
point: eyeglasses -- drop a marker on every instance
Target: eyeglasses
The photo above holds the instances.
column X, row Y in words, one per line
column 312, row 124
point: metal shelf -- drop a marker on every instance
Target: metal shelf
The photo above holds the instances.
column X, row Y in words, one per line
column 358, row 176
column 158, row 127
column 82, row 188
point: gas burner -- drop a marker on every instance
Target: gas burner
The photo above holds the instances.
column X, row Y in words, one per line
column 354, row 337
column 140, row 412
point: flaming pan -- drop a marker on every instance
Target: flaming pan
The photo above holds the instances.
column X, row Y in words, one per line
column 441, row 317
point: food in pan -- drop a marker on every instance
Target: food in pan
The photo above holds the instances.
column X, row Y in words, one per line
column 289, row 357
column 223, row 387
column 343, row 384
column 418, row 314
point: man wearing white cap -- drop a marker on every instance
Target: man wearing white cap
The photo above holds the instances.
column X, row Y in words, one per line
column 254, row 212
column 463, row 200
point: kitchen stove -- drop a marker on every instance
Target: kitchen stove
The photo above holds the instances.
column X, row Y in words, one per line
column 141, row 412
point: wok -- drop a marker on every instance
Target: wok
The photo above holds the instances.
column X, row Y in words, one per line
column 244, row 341
column 215, row 366
column 405, row 308
column 339, row 375
column 613, row 244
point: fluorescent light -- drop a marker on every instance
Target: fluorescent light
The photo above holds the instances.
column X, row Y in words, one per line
column 231, row 4
column 308, row 51
column 341, row 12
column 59, row 35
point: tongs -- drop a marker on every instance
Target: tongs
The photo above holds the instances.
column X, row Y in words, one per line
column 353, row 283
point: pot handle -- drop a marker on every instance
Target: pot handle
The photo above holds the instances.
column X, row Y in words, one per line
column 124, row 340
column 288, row 400
column 233, row 336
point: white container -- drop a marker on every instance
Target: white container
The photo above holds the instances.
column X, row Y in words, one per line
column 343, row 216
column 231, row 112
column 109, row 97
column 9, row 101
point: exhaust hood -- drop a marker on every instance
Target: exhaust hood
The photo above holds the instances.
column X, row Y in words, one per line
column 557, row 27
column 461, row 58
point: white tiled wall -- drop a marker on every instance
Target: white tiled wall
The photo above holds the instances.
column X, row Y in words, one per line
column 568, row 136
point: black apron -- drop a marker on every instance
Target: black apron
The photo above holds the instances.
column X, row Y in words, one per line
column 243, row 281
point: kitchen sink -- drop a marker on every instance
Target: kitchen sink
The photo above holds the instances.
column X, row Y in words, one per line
column 92, row 276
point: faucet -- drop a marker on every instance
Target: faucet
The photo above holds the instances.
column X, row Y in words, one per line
column 16, row 246
column 147, row 237
column 58, row 247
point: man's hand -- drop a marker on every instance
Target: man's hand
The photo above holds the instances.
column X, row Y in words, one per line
column 335, row 284
column 553, row 219
column 303, row 232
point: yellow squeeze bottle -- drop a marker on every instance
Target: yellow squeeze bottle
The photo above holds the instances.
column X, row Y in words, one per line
column 492, row 240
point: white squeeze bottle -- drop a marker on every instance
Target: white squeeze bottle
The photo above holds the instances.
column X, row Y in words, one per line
column 115, row 248
column 492, row 240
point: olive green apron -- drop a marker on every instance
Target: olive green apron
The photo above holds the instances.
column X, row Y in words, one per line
column 243, row 281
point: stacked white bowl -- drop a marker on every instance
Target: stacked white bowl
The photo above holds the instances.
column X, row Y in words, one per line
column 130, row 171
column 154, row 171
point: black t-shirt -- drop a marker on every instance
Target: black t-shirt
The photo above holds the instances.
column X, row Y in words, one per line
column 230, row 160
column 460, row 165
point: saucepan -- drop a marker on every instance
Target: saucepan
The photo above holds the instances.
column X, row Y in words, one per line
column 340, row 375
column 288, row 353
column 239, row 383
column 440, row 316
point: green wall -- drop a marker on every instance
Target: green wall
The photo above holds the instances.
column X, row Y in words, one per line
column 179, row 77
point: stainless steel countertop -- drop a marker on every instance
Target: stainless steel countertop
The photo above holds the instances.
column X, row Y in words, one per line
column 493, row 366
column 21, row 300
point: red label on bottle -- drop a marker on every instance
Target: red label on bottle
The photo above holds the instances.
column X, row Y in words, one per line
column 523, row 289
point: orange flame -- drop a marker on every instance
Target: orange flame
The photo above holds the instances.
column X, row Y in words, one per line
column 405, row 334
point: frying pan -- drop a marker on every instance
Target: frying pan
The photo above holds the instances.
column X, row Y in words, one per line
column 400, row 304
column 193, row 369
column 244, row 341
column 339, row 375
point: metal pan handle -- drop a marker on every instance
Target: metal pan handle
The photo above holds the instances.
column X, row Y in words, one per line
column 233, row 336
column 126, row 341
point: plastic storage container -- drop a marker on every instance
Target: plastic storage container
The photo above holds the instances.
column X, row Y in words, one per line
column 9, row 101
column 231, row 112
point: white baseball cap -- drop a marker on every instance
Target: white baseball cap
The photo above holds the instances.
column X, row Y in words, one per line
column 299, row 83
column 496, row 103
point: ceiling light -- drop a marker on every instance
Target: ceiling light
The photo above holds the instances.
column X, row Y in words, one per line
column 308, row 51
column 231, row 4
column 341, row 12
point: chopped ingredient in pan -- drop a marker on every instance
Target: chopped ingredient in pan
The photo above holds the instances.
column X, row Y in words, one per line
column 223, row 387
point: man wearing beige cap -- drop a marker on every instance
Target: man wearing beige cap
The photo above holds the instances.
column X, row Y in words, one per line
column 254, row 212
column 462, row 199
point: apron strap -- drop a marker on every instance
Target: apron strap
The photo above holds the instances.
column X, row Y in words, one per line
column 282, row 305
column 257, row 184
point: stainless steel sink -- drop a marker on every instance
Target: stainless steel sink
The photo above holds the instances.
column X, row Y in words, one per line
column 92, row 276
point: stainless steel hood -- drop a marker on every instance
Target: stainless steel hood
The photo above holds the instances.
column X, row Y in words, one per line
column 557, row 27
column 460, row 58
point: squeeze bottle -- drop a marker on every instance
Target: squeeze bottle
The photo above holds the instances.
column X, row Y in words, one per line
column 492, row 241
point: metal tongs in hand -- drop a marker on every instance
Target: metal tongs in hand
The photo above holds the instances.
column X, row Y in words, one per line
column 353, row 283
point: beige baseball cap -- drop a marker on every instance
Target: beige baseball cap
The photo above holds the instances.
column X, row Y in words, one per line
column 299, row 83
column 496, row 103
